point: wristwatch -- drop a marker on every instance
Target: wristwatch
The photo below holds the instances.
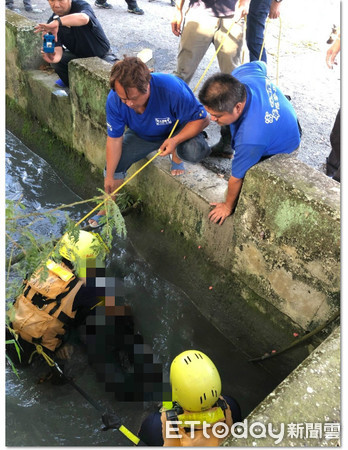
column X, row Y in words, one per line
column 56, row 17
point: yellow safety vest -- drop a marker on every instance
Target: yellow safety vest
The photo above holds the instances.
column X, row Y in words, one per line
column 43, row 311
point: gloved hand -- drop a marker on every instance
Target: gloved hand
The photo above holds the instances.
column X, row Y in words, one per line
column 111, row 421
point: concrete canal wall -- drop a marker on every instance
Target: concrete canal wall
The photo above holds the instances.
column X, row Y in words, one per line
column 283, row 240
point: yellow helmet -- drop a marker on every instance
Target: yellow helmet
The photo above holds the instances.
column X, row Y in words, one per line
column 196, row 383
column 88, row 246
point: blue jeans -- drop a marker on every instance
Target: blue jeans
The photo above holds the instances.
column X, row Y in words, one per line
column 256, row 19
column 134, row 148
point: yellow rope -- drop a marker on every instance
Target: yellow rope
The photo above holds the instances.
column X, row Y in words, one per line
column 280, row 32
column 212, row 59
column 41, row 352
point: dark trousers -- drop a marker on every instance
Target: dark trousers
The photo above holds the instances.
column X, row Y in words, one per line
column 256, row 19
column 61, row 68
column 9, row 3
column 151, row 429
column 333, row 162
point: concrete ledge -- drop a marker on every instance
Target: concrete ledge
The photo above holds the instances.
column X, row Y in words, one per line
column 283, row 240
column 309, row 398
column 287, row 238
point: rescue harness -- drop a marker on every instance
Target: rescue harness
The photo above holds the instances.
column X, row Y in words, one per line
column 43, row 311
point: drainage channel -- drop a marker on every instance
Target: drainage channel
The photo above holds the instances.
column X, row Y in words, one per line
column 179, row 300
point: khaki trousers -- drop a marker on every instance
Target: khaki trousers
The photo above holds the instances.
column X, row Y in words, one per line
column 201, row 30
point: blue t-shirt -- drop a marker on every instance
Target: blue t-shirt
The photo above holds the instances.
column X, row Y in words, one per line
column 170, row 99
column 268, row 124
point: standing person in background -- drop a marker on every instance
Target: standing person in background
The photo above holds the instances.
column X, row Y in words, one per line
column 333, row 162
column 204, row 23
column 258, row 12
column 26, row 3
column 132, row 6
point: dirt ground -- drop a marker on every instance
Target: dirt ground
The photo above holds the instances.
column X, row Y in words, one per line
column 303, row 74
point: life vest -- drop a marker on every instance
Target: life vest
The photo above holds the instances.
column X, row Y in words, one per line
column 43, row 311
column 183, row 437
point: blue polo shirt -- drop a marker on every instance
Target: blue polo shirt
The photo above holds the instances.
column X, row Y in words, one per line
column 268, row 124
column 170, row 99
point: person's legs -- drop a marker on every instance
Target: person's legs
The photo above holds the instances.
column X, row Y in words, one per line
column 256, row 19
column 134, row 148
column 197, row 35
column 27, row 5
column 61, row 68
column 229, row 56
column 9, row 4
column 193, row 150
column 133, row 7
column 333, row 162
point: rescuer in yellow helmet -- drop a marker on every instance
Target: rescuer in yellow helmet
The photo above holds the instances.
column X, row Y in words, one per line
column 56, row 296
column 198, row 412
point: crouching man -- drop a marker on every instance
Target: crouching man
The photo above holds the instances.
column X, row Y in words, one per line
column 262, row 122
column 76, row 28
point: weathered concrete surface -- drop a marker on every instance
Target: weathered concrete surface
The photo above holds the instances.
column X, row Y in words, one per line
column 21, row 54
column 287, row 238
column 308, row 398
column 283, row 240
column 89, row 87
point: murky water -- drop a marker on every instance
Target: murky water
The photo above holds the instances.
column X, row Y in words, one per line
column 48, row 415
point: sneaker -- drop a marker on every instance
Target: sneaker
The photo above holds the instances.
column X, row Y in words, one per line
column 60, row 83
column 11, row 7
column 136, row 10
column 104, row 5
column 28, row 8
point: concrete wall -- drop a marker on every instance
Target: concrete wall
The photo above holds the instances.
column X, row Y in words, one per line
column 283, row 240
column 305, row 405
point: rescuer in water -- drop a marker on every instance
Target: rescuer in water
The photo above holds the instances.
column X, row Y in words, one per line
column 196, row 397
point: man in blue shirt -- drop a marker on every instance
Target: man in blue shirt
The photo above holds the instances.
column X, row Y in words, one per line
column 262, row 122
column 149, row 105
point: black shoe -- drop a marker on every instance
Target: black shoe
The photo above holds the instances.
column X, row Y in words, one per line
column 28, row 8
column 11, row 7
column 136, row 10
column 104, row 5
column 172, row 3
column 222, row 149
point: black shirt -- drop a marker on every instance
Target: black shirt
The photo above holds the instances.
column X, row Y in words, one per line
column 216, row 8
column 88, row 40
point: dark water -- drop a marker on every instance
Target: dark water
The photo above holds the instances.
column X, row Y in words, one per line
column 47, row 415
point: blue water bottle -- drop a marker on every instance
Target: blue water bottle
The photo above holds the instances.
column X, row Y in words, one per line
column 48, row 43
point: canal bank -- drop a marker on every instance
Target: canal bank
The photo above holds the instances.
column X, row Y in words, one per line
column 283, row 241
